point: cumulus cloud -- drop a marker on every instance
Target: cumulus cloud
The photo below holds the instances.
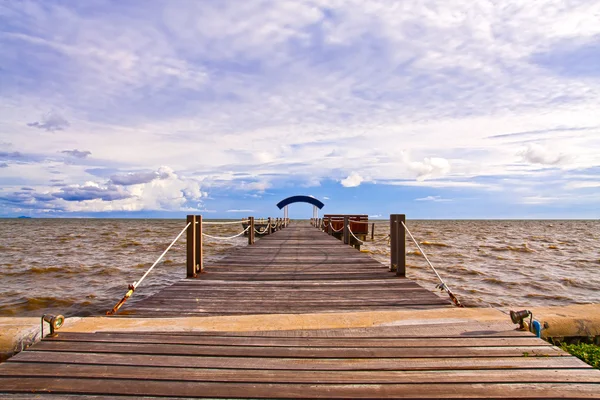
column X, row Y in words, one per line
column 51, row 122
column 353, row 180
column 172, row 193
column 433, row 167
column 136, row 178
column 538, row 154
column 76, row 153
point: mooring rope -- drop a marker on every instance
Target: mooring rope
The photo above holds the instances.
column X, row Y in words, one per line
column 352, row 233
column 225, row 223
column 442, row 285
column 226, row 238
column 134, row 285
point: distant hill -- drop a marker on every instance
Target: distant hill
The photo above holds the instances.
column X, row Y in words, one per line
column 23, row 216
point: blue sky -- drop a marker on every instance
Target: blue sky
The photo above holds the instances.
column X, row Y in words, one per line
column 453, row 109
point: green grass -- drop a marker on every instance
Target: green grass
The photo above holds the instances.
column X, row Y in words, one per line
column 588, row 353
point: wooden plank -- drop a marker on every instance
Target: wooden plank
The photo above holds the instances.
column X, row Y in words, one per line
column 176, row 338
column 309, row 364
column 300, row 352
column 573, row 375
column 270, row 390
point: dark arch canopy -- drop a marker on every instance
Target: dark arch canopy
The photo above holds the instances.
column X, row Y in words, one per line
column 300, row 199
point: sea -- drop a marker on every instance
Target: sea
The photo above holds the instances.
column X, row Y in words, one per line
column 82, row 267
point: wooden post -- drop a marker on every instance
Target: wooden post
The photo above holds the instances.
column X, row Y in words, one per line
column 372, row 230
column 270, row 229
column 251, row 230
column 346, row 230
column 329, row 227
column 398, row 244
column 191, row 247
column 199, row 253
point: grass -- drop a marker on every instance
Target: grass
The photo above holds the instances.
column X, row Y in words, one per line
column 589, row 353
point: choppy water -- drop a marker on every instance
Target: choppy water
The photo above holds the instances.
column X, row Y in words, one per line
column 83, row 266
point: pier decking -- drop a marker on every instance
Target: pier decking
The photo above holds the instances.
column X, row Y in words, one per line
column 297, row 271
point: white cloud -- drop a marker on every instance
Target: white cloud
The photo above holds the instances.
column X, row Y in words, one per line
column 538, row 154
column 51, row 122
column 353, row 180
column 437, row 199
column 430, row 167
column 583, row 185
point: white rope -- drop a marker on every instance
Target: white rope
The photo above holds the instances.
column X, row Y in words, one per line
column 381, row 240
column 226, row 238
column 338, row 230
column 352, row 233
column 422, row 252
column 225, row 223
column 260, row 232
column 136, row 284
column 359, row 222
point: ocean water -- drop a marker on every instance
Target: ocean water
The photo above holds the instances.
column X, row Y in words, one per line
column 81, row 267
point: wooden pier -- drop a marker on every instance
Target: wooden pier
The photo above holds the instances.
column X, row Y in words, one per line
column 295, row 272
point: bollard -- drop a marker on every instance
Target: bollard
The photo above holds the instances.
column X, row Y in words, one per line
column 251, row 230
column 397, row 244
column 191, row 247
column 346, row 230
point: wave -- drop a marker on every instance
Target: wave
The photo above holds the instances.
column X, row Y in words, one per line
column 524, row 248
column 438, row 244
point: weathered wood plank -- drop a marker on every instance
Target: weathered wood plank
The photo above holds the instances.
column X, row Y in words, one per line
column 176, row 338
column 271, row 390
column 282, row 376
column 310, row 364
column 300, row 352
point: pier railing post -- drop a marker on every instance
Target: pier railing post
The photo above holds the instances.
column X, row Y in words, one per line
column 346, row 230
column 329, row 227
column 372, row 230
column 250, row 230
column 199, row 253
column 398, row 244
column 191, row 247
column 270, row 228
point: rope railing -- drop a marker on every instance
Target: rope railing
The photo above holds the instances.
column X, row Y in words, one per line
column 380, row 240
column 442, row 285
column 227, row 237
column 352, row 233
column 261, row 232
column 225, row 223
column 134, row 285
